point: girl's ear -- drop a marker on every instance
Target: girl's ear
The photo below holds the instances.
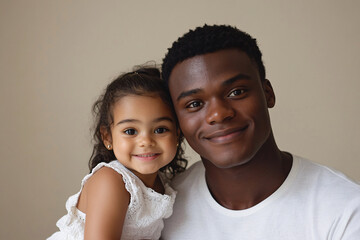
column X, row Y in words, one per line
column 269, row 93
column 106, row 137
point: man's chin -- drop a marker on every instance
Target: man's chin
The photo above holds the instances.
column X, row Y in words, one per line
column 227, row 163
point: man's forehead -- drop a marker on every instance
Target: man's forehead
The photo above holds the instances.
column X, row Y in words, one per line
column 189, row 66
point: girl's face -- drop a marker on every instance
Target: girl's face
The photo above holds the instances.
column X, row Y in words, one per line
column 143, row 134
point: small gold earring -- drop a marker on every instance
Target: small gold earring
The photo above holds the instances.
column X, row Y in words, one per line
column 108, row 146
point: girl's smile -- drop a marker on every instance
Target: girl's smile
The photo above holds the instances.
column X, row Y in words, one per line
column 147, row 156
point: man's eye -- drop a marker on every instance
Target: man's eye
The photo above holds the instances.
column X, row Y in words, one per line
column 194, row 104
column 161, row 130
column 237, row 92
column 130, row 131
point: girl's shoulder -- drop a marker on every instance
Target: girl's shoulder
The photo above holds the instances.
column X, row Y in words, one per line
column 107, row 201
column 109, row 174
column 104, row 183
column 106, row 176
column 113, row 170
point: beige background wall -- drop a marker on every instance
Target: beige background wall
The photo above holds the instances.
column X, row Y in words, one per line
column 57, row 56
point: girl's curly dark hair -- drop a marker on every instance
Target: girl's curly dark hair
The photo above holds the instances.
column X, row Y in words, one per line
column 143, row 81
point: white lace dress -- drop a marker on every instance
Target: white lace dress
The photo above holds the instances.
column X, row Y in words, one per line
column 144, row 217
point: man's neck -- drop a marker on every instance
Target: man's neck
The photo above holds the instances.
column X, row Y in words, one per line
column 246, row 185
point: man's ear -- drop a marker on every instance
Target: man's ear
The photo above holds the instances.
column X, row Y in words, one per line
column 269, row 93
column 106, row 136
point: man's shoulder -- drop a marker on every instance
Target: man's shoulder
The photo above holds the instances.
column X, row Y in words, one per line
column 325, row 178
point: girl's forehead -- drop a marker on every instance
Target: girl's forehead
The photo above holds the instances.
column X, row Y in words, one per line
column 140, row 99
column 141, row 107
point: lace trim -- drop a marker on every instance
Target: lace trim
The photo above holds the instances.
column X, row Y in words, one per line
column 144, row 218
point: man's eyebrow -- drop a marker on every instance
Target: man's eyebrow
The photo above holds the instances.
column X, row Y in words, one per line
column 236, row 78
column 188, row 93
column 226, row 82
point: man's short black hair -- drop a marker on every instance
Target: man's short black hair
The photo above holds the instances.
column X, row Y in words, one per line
column 208, row 39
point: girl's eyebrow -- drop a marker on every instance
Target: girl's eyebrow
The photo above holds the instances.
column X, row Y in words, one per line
column 226, row 82
column 127, row 121
column 156, row 120
column 160, row 119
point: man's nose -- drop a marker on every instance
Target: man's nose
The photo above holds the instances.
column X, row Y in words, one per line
column 218, row 111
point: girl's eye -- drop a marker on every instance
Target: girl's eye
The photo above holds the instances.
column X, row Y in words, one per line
column 194, row 104
column 237, row 92
column 161, row 130
column 130, row 131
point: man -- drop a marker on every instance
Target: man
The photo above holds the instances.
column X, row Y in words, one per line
column 244, row 187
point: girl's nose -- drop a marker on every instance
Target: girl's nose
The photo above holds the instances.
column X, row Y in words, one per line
column 146, row 141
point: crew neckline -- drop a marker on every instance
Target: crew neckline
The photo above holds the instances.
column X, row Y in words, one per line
column 245, row 212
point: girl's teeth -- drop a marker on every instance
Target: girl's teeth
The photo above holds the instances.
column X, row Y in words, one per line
column 148, row 155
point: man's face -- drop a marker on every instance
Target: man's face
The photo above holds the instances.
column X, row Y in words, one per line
column 222, row 106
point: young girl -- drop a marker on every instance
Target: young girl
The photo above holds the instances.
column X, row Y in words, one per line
column 136, row 134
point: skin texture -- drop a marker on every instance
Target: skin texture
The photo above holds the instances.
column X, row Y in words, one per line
column 222, row 106
column 143, row 141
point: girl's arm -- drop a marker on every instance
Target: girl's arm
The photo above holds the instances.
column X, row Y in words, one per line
column 107, row 203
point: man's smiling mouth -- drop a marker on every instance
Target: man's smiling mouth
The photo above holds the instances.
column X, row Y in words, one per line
column 225, row 135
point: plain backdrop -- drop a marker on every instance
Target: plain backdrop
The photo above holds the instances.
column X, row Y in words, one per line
column 56, row 57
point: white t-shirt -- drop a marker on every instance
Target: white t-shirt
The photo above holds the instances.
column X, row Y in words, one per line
column 314, row 202
column 144, row 216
